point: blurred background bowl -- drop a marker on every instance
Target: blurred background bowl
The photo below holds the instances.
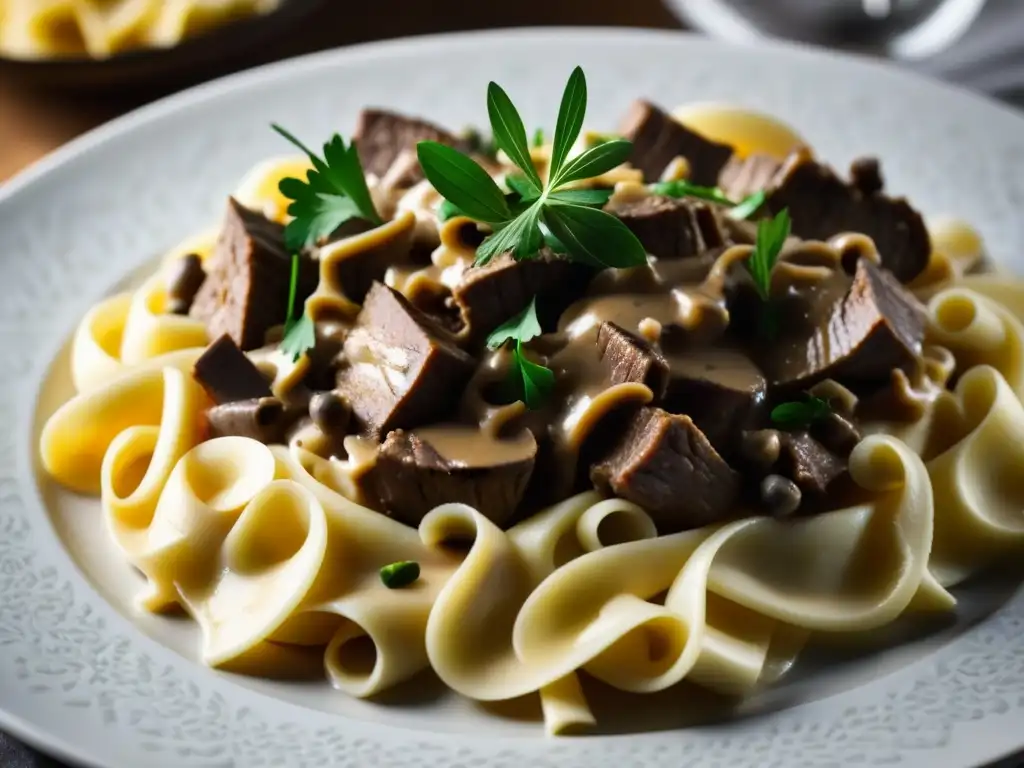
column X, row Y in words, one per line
column 234, row 45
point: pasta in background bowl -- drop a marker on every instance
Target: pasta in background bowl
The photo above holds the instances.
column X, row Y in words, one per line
column 124, row 42
column 878, row 622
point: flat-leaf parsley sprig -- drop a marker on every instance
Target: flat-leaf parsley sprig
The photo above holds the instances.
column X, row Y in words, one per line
column 537, row 380
column 299, row 332
column 771, row 236
column 801, row 413
column 587, row 234
column 333, row 192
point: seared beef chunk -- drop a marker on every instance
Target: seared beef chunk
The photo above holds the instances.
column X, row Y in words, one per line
column 246, row 290
column 403, row 370
column 857, row 340
column 822, row 205
column 743, row 176
column 666, row 465
column 227, row 374
column 808, row 463
column 837, row 433
column 489, row 295
column 629, row 358
column 381, row 136
column 658, row 139
column 866, row 175
column 412, row 477
column 670, row 228
column 183, row 283
column 720, row 389
column 262, row 419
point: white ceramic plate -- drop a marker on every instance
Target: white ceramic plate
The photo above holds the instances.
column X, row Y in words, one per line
column 81, row 677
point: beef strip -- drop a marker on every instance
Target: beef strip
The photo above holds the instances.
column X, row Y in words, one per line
column 412, row 477
column 403, row 369
column 381, row 136
column 247, row 285
column 822, row 205
column 658, row 139
column 490, row 294
column 665, row 464
column 742, row 176
column 227, row 374
column 857, row 339
column 808, row 463
column 628, row 358
column 670, row 228
column 721, row 389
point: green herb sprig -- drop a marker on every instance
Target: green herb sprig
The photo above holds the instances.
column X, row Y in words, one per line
column 587, row 234
column 537, row 380
column 299, row 332
column 333, row 192
column 741, row 210
column 400, row 574
column 771, row 236
column 801, row 413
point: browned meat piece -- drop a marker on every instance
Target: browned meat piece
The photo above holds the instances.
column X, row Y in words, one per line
column 227, row 374
column 381, row 136
column 822, row 205
column 857, row 340
column 414, row 474
column 490, row 294
column 743, row 176
column 866, row 175
column 403, row 370
column 629, row 358
column 808, row 463
column 246, row 289
column 670, row 228
column 262, row 419
column 665, row 464
column 721, row 389
column 658, row 139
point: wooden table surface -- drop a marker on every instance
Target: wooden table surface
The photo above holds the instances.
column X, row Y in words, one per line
column 34, row 121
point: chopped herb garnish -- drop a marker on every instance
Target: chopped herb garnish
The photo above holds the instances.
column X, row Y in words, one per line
column 299, row 332
column 538, row 138
column 681, row 188
column 748, row 206
column 333, row 192
column 536, row 380
column 588, row 235
column 801, row 413
column 741, row 210
column 401, row 574
column 447, row 210
column 771, row 236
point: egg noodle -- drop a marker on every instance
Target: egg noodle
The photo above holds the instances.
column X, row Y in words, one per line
column 40, row 29
column 264, row 547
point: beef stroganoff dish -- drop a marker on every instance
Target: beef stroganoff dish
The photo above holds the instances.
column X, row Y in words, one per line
column 662, row 404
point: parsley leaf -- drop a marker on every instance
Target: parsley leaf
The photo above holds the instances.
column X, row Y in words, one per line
column 682, row 188
column 461, row 181
column 333, row 192
column 538, row 138
column 585, row 234
column 741, row 210
column 299, row 333
column 448, row 210
column 509, row 132
column 801, row 413
column 771, row 236
column 537, row 380
column 400, row 574
column 748, row 206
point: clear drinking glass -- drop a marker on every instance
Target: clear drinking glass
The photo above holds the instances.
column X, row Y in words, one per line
column 903, row 29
